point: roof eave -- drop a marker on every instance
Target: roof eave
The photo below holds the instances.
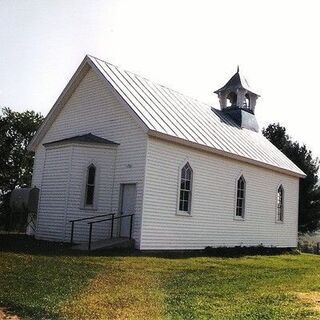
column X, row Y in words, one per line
column 222, row 153
column 85, row 139
column 86, row 64
column 62, row 99
column 79, row 143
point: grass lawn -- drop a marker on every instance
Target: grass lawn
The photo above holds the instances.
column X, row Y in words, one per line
column 47, row 281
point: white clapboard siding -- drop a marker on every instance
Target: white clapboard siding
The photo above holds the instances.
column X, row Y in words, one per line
column 94, row 108
column 212, row 220
column 52, row 205
column 104, row 160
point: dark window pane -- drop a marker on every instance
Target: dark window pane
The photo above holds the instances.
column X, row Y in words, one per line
column 185, row 188
column 90, row 193
column 280, row 204
column 240, row 197
column 185, row 195
column 91, row 174
column 184, row 184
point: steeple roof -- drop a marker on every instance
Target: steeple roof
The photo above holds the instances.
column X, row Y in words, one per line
column 237, row 81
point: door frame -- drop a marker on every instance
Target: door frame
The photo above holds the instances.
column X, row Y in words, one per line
column 121, row 203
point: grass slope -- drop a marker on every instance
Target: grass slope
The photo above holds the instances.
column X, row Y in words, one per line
column 42, row 282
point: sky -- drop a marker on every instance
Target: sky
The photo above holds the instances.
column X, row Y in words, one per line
column 190, row 46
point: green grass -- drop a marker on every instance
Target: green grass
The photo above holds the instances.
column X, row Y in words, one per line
column 42, row 281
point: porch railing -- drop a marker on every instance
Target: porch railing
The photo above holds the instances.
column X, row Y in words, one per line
column 93, row 220
column 83, row 219
column 91, row 223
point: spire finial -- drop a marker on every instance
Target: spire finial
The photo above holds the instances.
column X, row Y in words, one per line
column 237, row 68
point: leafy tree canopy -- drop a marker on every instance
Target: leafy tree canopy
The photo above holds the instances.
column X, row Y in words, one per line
column 309, row 193
column 16, row 131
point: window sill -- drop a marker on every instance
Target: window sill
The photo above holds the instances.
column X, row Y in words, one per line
column 183, row 213
column 236, row 218
column 88, row 209
column 279, row 222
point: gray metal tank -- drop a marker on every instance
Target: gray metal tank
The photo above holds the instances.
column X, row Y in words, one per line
column 24, row 199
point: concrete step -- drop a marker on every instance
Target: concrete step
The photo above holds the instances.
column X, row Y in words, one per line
column 106, row 244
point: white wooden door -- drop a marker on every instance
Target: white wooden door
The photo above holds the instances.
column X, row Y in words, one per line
column 128, row 203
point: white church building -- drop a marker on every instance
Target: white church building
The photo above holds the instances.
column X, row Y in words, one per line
column 180, row 173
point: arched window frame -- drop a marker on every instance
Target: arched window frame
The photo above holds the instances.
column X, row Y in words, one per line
column 90, row 185
column 240, row 198
column 181, row 184
column 280, row 204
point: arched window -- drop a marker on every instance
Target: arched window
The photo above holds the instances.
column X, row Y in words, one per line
column 280, row 204
column 185, row 188
column 241, row 197
column 90, row 185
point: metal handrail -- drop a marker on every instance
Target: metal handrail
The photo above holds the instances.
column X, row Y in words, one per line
column 93, row 217
column 122, row 216
column 82, row 219
column 112, row 224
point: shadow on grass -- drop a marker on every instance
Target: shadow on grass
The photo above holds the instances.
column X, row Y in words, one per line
column 41, row 276
column 44, row 276
column 20, row 243
column 26, row 312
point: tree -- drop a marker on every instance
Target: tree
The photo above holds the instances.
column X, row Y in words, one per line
column 309, row 193
column 16, row 131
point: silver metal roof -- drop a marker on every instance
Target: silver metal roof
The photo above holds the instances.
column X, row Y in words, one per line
column 171, row 113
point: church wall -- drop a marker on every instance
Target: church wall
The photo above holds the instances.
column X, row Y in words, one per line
column 93, row 108
column 63, row 190
column 212, row 221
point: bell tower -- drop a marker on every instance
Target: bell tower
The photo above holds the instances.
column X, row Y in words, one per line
column 239, row 101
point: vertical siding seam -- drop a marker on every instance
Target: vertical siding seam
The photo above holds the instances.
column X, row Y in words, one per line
column 143, row 189
column 67, row 193
column 40, row 193
column 113, row 181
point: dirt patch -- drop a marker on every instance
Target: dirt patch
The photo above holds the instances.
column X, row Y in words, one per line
column 312, row 298
column 123, row 291
column 6, row 315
